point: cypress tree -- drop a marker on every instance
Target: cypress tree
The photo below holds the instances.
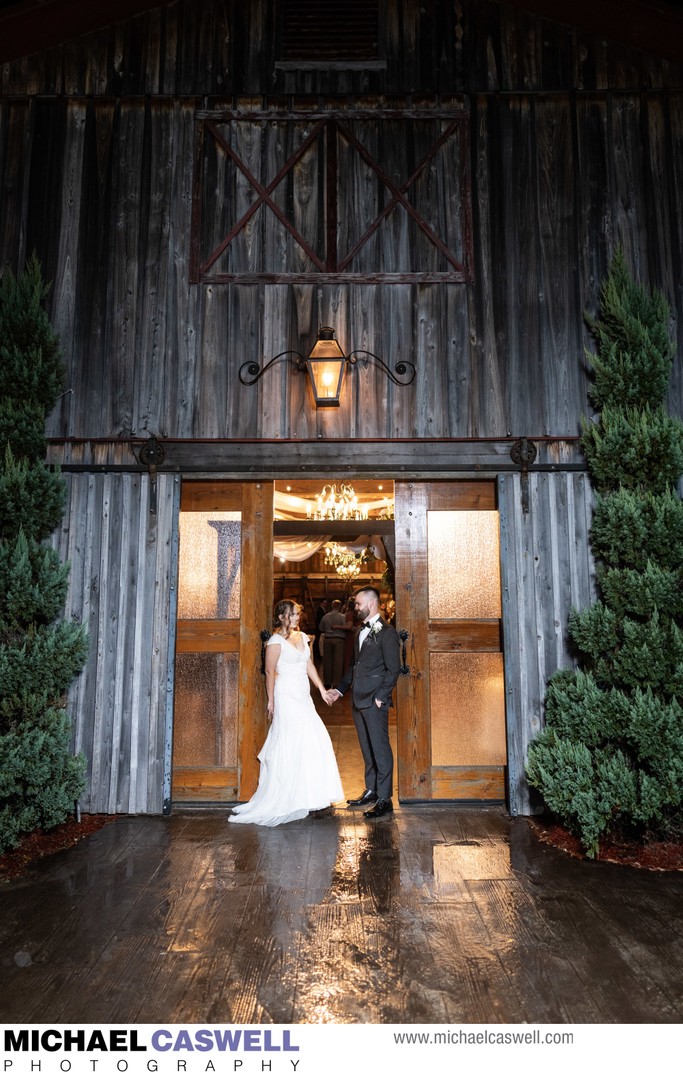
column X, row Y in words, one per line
column 40, row 654
column 610, row 759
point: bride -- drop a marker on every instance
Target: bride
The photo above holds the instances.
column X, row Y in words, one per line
column 298, row 769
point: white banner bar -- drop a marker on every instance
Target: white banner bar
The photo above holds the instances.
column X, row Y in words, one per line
column 335, row 1050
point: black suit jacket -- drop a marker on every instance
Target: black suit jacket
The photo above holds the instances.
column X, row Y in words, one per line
column 375, row 668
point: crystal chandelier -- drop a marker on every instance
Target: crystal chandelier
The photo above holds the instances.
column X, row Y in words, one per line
column 333, row 504
column 345, row 562
column 336, row 554
column 349, row 569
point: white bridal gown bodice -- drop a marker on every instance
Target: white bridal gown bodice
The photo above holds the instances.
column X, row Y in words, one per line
column 299, row 771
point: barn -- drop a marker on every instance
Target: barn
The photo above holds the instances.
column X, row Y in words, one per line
column 297, row 249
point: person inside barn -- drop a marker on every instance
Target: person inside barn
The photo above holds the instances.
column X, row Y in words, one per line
column 333, row 627
column 299, row 774
column 319, row 614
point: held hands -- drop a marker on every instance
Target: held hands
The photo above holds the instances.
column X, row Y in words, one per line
column 331, row 695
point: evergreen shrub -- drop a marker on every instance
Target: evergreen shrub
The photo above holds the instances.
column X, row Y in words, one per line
column 609, row 762
column 40, row 653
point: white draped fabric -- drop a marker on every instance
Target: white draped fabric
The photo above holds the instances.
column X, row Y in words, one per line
column 298, row 549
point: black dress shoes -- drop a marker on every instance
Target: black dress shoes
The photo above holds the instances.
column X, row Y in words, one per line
column 380, row 808
column 365, row 797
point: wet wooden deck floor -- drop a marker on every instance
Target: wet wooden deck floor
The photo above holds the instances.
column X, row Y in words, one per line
column 434, row 915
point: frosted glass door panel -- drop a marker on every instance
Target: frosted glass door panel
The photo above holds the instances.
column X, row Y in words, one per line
column 206, row 687
column 464, row 565
column 467, row 709
column 210, row 566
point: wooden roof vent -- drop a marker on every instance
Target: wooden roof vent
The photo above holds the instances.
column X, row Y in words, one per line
column 324, row 33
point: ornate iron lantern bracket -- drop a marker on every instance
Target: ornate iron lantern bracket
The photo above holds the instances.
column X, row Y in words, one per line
column 251, row 372
column 326, row 366
column 403, row 373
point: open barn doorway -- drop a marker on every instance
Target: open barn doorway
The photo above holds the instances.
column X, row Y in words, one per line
column 432, row 549
column 329, row 540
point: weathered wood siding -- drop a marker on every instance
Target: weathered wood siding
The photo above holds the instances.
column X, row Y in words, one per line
column 120, row 588
column 574, row 147
column 571, row 146
column 148, row 351
column 219, row 49
column 546, row 570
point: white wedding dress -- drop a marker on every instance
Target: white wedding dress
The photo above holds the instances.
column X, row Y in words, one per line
column 299, row 771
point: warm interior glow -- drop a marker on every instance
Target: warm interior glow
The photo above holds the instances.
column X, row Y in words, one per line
column 341, row 502
column 327, row 378
column 467, row 694
column 300, row 501
column 467, row 709
column 326, row 366
column 345, row 562
column 206, row 702
column 209, row 566
column 464, row 565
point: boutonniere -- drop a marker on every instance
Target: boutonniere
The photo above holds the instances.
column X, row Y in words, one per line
column 375, row 629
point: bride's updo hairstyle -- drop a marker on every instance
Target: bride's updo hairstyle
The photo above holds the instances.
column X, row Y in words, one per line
column 284, row 609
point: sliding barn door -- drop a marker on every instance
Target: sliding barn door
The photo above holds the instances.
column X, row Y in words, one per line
column 451, row 705
column 225, row 586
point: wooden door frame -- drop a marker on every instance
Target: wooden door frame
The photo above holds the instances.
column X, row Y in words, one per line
column 403, row 459
column 417, row 779
column 255, row 503
column 415, row 773
column 412, row 691
column 256, row 616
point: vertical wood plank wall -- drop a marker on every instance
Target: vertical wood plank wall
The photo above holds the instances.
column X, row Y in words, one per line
column 121, row 586
column 574, row 144
column 147, row 351
column 120, row 589
column 546, row 570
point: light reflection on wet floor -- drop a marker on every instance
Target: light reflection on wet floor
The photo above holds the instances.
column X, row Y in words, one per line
column 434, row 914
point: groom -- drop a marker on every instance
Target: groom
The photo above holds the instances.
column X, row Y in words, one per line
column 372, row 676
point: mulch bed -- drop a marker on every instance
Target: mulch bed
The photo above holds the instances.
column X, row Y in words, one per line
column 651, row 856
column 38, row 844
